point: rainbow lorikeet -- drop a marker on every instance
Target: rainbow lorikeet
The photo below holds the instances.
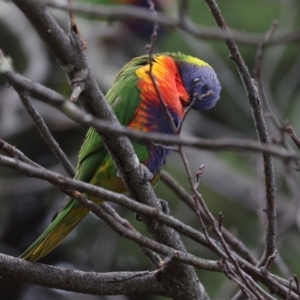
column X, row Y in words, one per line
column 137, row 105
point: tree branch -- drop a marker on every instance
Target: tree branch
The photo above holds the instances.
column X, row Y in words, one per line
column 124, row 12
column 58, row 180
column 116, row 283
column 262, row 132
column 181, row 193
column 103, row 126
column 68, row 51
column 46, row 135
column 266, row 278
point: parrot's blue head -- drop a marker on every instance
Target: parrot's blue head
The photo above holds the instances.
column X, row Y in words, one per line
column 201, row 83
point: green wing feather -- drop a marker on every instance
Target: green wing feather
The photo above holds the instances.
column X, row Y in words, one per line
column 124, row 99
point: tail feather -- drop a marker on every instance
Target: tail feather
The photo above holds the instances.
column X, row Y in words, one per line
column 60, row 227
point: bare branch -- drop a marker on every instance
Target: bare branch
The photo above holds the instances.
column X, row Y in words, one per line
column 225, row 252
column 257, row 71
column 265, row 294
column 54, row 99
column 167, row 251
column 183, row 195
column 17, row 154
column 270, row 260
column 293, row 135
column 261, row 128
column 77, row 90
column 81, row 282
column 57, row 179
column 69, row 52
column 151, row 255
column 124, row 12
column 143, row 240
column 261, row 48
column 46, row 135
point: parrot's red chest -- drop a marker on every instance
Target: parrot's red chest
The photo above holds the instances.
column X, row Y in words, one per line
column 151, row 115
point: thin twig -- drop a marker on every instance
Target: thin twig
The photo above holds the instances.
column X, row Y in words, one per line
column 16, row 153
column 293, row 135
column 199, row 175
column 196, row 97
column 149, row 48
column 232, row 276
column 204, row 227
column 152, row 256
column 78, row 88
column 261, row 48
column 228, row 254
column 266, row 295
column 182, row 194
column 270, row 260
column 261, row 128
column 257, row 76
column 46, row 135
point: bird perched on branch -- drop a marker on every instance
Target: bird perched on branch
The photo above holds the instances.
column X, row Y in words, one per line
column 139, row 103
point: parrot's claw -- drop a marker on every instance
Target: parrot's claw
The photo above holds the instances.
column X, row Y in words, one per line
column 164, row 206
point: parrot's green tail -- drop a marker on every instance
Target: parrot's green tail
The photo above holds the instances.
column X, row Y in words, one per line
column 60, row 227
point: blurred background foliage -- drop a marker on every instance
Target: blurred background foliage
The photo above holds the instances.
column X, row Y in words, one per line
column 233, row 182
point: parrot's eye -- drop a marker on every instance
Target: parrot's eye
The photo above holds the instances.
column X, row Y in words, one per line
column 197, row 79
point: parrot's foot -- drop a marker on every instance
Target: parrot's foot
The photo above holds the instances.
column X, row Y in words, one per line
column 164, row 206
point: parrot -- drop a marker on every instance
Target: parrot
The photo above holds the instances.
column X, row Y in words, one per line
column 134, row 99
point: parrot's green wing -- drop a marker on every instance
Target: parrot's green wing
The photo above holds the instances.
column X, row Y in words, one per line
column 124, row 99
